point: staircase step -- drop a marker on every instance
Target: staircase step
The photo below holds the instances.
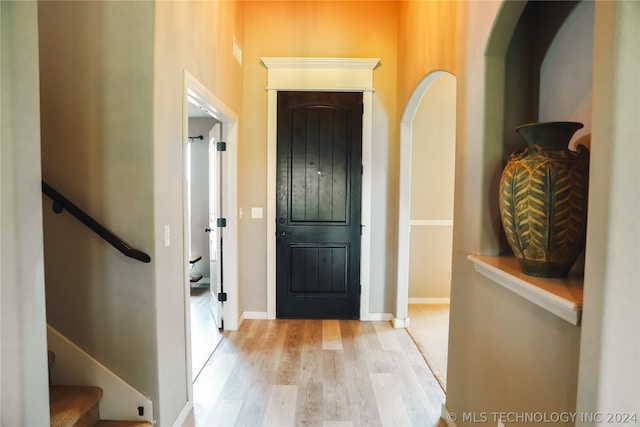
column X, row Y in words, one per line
column 108, row 423
column 74, row 405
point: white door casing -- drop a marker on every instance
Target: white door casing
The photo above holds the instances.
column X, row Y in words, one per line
column 320, row 74
column 196, row 93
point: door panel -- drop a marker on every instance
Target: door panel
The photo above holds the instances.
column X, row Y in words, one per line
column 215, row 232
column 318, row 204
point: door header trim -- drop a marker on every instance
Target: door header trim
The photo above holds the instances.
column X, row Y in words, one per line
column 339, row 74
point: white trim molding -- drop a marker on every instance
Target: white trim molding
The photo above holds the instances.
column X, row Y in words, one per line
column 199, row 93
column 401, row 323
column 73, row 365
column 404, row 192
column 431, row 222
column 320, row 74
column 259, row 315
column 429, row 300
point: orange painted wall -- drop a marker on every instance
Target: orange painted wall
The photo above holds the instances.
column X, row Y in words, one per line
column 429, row 33
column 310, row 29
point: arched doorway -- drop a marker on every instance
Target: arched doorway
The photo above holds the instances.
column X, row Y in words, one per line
column 427, row 162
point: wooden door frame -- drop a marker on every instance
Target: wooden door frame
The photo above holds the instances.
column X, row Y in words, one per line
column 320, row 75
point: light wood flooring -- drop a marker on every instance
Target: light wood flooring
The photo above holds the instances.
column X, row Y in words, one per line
column 205, row 335
column 316, row 373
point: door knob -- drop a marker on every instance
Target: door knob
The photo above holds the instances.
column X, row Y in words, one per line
column 208, row 230
column 283, row 233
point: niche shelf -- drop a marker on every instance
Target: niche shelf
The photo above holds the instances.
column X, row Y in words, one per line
column 562, row 297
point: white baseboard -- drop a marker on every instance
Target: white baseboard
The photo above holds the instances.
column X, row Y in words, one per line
column 182, row 416
column 400, row 323
column 259, row 315
column 377, row 317
column 429, row 300
column 448, row 417
column 371, row 317
column 74, row 366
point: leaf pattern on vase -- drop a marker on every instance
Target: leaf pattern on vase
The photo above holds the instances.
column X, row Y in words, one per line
column 543, row 203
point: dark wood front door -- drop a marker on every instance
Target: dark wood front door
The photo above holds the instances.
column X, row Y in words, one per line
column 319, row 182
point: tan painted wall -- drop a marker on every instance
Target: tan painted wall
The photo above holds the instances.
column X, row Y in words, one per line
column 500, row 345
column 432, row 185
column 196, row 37
column 506, row 354
column 610, row 344
column 96, row 64
column 24, row 393
column 113, row 77
column 320, row 29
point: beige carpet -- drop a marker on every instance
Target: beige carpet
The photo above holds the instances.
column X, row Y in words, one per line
column 429, row 328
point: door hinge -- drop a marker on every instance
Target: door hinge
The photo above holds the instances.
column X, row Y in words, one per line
column 221, row 146
column 222, row 296
column 221, row 222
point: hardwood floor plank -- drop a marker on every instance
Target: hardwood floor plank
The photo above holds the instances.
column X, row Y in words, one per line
column 386, row 336
column 361, row 403
column 254, row 376
column 331, row 338
column 310, row 385
column 224, row 414
column 281, row 411
column 289, row 367
column 390, row 400
column 279, row 373
column 334, row 393
column 205, row 336
column 418, row 404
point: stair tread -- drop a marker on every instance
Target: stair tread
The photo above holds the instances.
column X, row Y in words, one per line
column 112, row 423
column 67, row 404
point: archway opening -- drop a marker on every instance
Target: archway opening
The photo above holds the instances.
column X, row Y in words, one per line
column 426, row 216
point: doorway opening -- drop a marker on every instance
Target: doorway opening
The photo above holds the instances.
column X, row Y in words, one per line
column 321, row 74
column 319, row 204
column 210, row 223
column 204, row 191
column 427, row 174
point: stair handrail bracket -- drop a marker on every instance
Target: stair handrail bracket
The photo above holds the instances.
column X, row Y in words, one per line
column 61, row 203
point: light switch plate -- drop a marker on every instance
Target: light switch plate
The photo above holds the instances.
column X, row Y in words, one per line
column 167, row 236
column 256, row 213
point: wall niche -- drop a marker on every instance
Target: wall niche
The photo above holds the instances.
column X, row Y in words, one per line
column 539, row 68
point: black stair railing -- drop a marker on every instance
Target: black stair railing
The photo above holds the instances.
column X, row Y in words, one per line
column 61, row 203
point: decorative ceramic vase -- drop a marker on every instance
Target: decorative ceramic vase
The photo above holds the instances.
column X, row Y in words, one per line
column 543, row 199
